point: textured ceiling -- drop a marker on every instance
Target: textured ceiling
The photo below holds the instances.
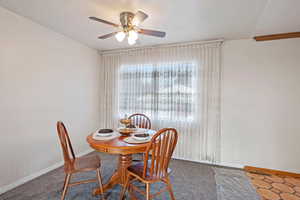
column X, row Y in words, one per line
column 183, row 20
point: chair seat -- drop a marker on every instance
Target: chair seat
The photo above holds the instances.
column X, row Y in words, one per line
column 138, row 167
column 85, row 163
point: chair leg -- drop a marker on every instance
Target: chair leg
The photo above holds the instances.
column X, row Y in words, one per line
column 169, row 186
column 66, row 186
column 100, row 183
column 64, row 182
column 125, row 187
column 148, row 191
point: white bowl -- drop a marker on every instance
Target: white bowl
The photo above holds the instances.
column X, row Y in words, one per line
column 140, row 138
column 104, row 134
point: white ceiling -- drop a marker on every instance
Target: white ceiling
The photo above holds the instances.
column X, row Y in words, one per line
column 183, row 20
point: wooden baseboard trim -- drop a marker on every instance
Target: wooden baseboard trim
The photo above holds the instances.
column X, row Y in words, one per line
column 270, row 171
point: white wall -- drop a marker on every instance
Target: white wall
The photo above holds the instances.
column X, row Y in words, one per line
column 44, row 77
column 261, row 104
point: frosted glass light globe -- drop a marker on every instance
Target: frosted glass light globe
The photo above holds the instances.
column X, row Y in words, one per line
column 133, row 35
column 131, row 41
column 120, row 36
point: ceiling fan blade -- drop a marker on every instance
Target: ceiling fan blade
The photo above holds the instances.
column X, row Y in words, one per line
column 139, row 17
column 152, row 33
column 104, row 21
column 107, row 35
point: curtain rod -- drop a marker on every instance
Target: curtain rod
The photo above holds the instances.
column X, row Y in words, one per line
column 103, row 52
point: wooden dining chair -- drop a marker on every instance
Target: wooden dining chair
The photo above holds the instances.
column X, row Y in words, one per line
column 140, row 120
column 74, row 165
column 154, row 168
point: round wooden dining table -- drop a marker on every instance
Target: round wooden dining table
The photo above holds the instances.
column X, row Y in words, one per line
column 124, row 150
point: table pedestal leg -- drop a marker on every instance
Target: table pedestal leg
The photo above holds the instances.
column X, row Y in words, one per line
column 119, row 177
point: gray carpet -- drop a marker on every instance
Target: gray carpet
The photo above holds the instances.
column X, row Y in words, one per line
column 190, row 180
column 234, row 185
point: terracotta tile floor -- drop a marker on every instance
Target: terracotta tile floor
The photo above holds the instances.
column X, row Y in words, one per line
column 272, row 187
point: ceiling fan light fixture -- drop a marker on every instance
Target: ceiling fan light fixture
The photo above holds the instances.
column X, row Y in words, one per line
column 120, row 36
column 131, row 41
column 129, row 27
column 133, row 35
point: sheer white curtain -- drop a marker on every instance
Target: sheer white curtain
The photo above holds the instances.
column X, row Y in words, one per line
column 176, row 86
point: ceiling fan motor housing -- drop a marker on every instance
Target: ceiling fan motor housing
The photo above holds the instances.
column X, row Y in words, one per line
column 126, row 20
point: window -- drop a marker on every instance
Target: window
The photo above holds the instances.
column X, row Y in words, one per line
column 165, row 91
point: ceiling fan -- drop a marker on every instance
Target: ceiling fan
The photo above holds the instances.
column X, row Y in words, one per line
column 129, row 27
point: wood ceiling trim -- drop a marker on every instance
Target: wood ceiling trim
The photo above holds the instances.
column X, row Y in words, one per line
column 277, row 36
